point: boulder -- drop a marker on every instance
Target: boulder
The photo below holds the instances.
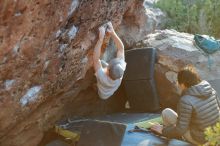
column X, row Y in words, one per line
column 46, row 63
column 174, row 51
column 140, row 20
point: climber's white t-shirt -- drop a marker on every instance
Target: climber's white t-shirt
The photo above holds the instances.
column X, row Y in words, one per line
column 107, row 86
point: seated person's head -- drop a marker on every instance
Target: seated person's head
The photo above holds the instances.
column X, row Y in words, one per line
column 188, row 77
column 115, row 70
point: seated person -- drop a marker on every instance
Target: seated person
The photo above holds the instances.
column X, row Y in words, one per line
column 109, row 77
column 198, row 108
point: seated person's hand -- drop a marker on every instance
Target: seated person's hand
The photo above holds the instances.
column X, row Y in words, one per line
column 101, row 32
column 157, row 128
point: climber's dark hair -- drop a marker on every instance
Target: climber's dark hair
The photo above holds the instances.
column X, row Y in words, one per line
column 188, row 76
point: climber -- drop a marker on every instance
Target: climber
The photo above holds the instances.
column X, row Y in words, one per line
column 198, row 108
column 109, row 77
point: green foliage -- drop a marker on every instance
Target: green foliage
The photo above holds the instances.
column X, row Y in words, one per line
column 213, row 135
column 192, row 16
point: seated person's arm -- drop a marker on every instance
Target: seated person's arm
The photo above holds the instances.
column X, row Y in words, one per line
column 183, row 121
column 218, row 100
column 117, row 40
column 97, row 50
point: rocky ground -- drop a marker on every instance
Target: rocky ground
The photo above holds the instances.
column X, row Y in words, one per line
column 46, row 66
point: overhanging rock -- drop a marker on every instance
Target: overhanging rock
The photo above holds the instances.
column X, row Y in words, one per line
column 45, row 62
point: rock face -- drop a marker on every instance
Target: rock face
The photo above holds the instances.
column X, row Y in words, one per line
column 46, row 51
column 176, row 50
column 140, row 21
column 45, row 62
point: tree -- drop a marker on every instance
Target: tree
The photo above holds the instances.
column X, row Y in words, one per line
column 192, row 16
column 213, row 135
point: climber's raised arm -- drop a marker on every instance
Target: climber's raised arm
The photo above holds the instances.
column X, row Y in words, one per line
column 117, row 40
column 97, row 49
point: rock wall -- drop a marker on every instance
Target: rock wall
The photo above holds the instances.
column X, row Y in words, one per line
column 46, row 60
column 45, row 63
